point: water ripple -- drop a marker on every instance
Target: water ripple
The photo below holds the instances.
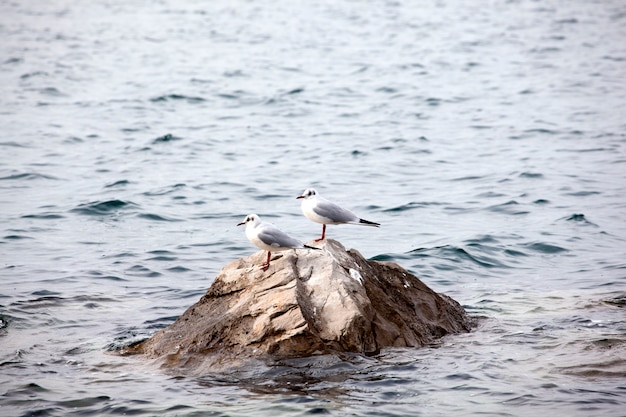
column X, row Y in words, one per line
column 500, row 158
column 457, row 255
column 101, row 208
column 178, row 97
column 165, row 139
column 28, row 176
column 545, row 248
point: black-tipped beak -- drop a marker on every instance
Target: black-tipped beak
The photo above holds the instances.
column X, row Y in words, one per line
column 300, row 196
column 239, row 224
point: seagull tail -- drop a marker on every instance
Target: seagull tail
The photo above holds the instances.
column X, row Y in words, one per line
column 368, row 223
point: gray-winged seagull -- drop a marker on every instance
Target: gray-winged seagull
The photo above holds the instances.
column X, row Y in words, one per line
column 320, row 210
column 268, row 237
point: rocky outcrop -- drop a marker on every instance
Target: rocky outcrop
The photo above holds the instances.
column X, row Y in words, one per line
column 307, row 302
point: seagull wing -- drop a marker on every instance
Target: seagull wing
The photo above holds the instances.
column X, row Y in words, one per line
column 272, row 236
column 334, row 213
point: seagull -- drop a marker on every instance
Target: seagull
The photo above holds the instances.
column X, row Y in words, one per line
column 320, row 210
column 268, row 237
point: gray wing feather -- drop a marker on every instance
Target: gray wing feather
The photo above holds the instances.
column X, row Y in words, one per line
column 335, row 213
column 277, row 238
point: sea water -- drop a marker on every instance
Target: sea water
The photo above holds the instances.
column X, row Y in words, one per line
column 488, row 139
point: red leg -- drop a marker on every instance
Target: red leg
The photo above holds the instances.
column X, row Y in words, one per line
column 323, row 233
column 267, row 263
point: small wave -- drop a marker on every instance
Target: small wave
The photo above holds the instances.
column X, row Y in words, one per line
column 178, row 269
column 490, row 194
column 228, row 96
column 28, row 176
column 33, row 74
column 44, row 293
column 73, row 139
column 127, row 338
column 16, row 237
column 545, row 50
column 531, row 175
column 111, row 278
column 542, row 131
column 390, row 257
column 160, row 321
column 410, row 206
column 13, row 145
column 579, row 218
column 608, row 343
column 45, row 299
column 165, row 190
column 514, row 253
column 268, row 196
column 295, row 91
column 586, row 150
column 387, row 90
column 457, row 255
column 567, row 21
column 460, row 377
column 100, row 208
column 545, row 248
column 166, row 138
column 609, row 369
column 619, row 301
column 467, row 178
column 140, row 270
column 161, row 252
column 120, row 183
column 43, row 216
column 583, row 193
column 178, row 97
column 121, row 255
column 83, row 402
column 482, row 240
column 227, row 74
column 26, row 391
column 157, row 218
column 52, row 91
column 163, row 258
column 507, row 208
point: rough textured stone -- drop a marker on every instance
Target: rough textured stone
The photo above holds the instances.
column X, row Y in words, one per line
column 308, row 302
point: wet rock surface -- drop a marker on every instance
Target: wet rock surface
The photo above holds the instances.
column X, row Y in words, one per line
column 308, row 302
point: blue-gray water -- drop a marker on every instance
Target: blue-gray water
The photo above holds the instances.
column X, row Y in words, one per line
column 488, row 138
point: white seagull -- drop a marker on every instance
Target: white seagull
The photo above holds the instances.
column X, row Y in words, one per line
column 268, row 237
column 320, row 210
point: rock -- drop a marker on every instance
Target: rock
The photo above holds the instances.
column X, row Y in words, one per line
column 308, row 302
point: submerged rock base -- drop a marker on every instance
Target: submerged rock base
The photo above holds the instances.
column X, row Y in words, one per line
column 308, row 302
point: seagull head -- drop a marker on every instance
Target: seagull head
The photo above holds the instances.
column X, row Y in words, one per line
column 252, row 219
column 308, row 193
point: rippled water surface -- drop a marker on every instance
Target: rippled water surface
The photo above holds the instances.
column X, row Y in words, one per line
column 488, row 138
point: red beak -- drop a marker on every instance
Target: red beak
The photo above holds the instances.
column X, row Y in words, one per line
column 300, row 196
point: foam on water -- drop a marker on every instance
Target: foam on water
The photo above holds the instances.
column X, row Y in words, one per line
column 488, row 141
